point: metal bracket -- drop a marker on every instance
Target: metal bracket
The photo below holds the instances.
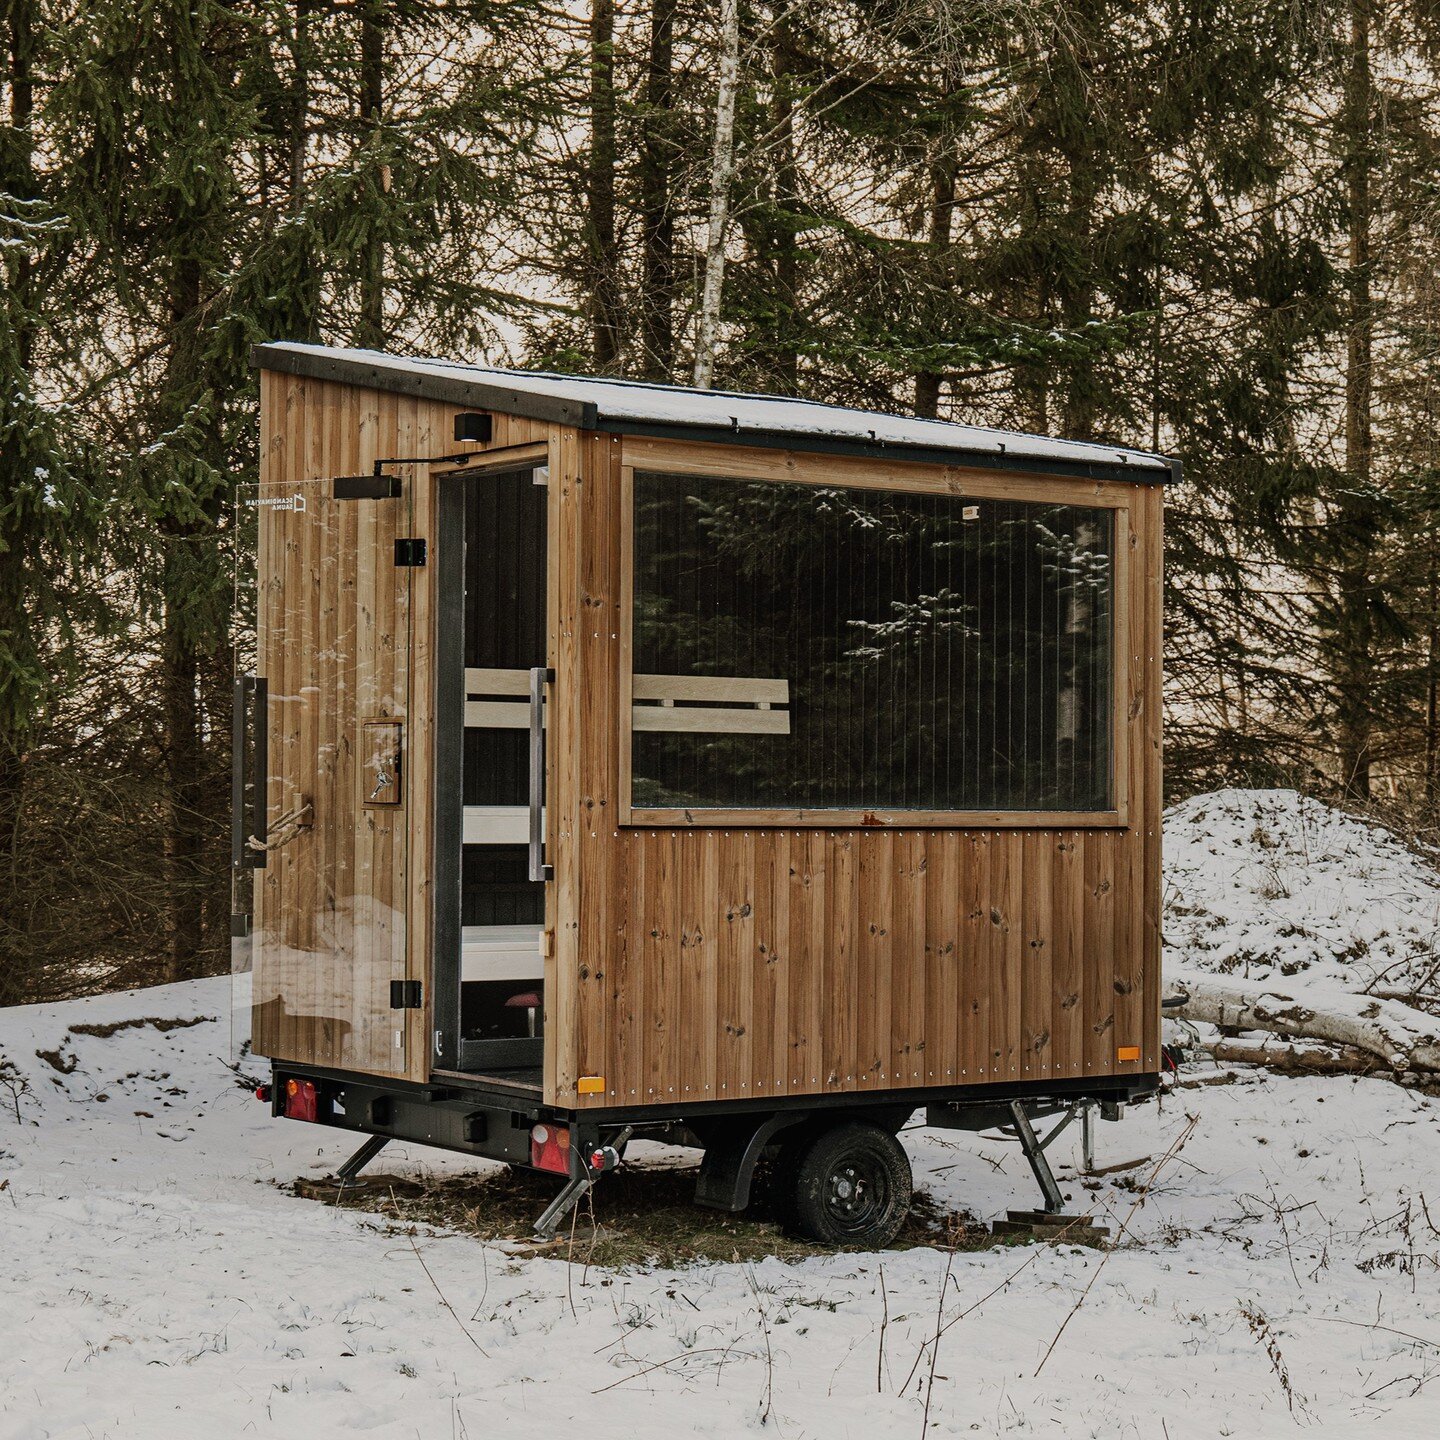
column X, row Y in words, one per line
column 410, row 551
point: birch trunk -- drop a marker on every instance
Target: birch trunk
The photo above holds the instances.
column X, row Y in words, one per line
column 722, row 167
column 1403, row 1037
column 371, row 330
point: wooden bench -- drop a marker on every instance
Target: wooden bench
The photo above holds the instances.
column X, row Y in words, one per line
column 678, row 704
column 675, row 704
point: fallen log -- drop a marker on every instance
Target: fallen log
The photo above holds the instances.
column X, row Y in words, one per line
column 1402, row 1037
column 1287, row 1059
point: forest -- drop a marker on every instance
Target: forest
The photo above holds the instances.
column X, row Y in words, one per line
column 1205, row 227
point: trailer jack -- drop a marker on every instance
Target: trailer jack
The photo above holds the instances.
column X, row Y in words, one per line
column 1051, row 1224
column 345, row 1176
column 578, row 1185
column 1035, row 1148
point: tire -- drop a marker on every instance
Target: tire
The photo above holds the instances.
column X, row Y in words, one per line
column 851, row 1185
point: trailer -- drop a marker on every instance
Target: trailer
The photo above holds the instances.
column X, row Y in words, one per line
column 618, row 760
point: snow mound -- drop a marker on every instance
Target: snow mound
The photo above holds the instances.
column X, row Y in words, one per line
column 1265, row 884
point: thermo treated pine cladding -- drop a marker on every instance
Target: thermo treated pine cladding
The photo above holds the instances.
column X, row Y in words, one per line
column 755, row 954
column 754, row 958
column 344, row 638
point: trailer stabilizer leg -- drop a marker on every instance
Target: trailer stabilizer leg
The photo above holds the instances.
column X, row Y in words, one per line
column 561, row 1206
column 345, row 1176
column 1034, row 1150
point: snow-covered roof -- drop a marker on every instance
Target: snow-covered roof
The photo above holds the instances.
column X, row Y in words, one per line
column 635, row 407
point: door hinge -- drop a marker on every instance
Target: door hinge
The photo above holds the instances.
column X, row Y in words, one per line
column 410, row 551
column 405, row 994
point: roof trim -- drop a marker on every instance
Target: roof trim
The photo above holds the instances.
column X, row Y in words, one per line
column 452, row 389
column 955, row 455
column 456, row 389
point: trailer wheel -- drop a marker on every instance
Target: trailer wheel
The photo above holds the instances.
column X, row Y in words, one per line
column 851, row 1185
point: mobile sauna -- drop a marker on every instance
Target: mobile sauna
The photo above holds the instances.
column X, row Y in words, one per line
column 618, row 760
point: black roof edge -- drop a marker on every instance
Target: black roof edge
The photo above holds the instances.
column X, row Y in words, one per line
column 584, row 415
column 451, row 389
column 877, row 449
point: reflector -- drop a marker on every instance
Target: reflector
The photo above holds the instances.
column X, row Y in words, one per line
column 301, row 1100
column 550, row 1148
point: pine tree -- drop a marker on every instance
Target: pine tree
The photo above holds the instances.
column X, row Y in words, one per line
column 50, row 503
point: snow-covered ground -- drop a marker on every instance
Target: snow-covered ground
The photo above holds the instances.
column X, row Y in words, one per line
column 1268, row 884
column 1282, row 1275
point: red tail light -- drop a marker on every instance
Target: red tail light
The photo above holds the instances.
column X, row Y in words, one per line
column 262, row 1092
column 550, row 1148
column 301, row 1100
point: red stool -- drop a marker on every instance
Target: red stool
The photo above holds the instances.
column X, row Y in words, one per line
column 530, row 1003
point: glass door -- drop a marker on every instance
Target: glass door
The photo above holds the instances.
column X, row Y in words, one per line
column 501, row 1005
column 320, row 790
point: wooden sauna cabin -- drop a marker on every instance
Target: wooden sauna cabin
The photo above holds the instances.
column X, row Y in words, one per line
column 617, row 760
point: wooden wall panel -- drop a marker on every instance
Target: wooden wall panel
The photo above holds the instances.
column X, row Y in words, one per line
column 685, row 963
column 344, row 637
column 754, row 961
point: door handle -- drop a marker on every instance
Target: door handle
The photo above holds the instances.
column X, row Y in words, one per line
column 540, row 677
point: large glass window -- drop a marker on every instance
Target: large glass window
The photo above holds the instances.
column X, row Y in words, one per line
column 803, row 647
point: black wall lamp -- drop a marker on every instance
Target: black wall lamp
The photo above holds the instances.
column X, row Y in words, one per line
column 473, row 426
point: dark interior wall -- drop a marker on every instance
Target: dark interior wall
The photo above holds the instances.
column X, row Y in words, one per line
column 504, row 630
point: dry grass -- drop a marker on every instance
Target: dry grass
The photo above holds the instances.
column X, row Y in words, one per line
column 153, row 1022
column 641, row 1215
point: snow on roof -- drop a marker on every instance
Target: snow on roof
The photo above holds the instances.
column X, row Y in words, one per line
column 628, row 406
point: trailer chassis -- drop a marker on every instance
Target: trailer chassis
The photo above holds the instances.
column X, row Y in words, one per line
column 492, row 1119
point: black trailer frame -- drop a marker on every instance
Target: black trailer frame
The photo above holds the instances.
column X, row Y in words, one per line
column 491, row 1118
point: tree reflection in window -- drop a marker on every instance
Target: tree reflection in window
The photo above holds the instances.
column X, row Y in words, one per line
column 940, row 653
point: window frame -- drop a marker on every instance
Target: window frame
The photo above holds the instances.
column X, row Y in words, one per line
column 743, row 464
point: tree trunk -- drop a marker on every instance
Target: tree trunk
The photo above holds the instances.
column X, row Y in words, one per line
column 1403, row 1037
column 299, row 104
column 17, row 160
column 1287, row 1059
column 722, row 167
column 657, row 156
column 17, row 349
column 786, row 194
column 184, row 828
column 1355, row 675
column 942, row 214
column 179, row 664
column 373, row 20
column 604, row 259
column 1432, row 682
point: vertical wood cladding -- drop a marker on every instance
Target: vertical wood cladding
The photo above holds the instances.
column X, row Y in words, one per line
column 346, row 907
column 748, row 959
column 734, row 960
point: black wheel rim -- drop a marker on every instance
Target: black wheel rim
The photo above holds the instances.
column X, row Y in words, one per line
column 857, row 1194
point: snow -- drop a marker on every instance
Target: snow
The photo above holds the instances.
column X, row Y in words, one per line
column 621, row 401
column 156, row 1282
column 1265, row 884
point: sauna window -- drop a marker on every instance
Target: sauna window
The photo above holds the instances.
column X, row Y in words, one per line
column 798, row 647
